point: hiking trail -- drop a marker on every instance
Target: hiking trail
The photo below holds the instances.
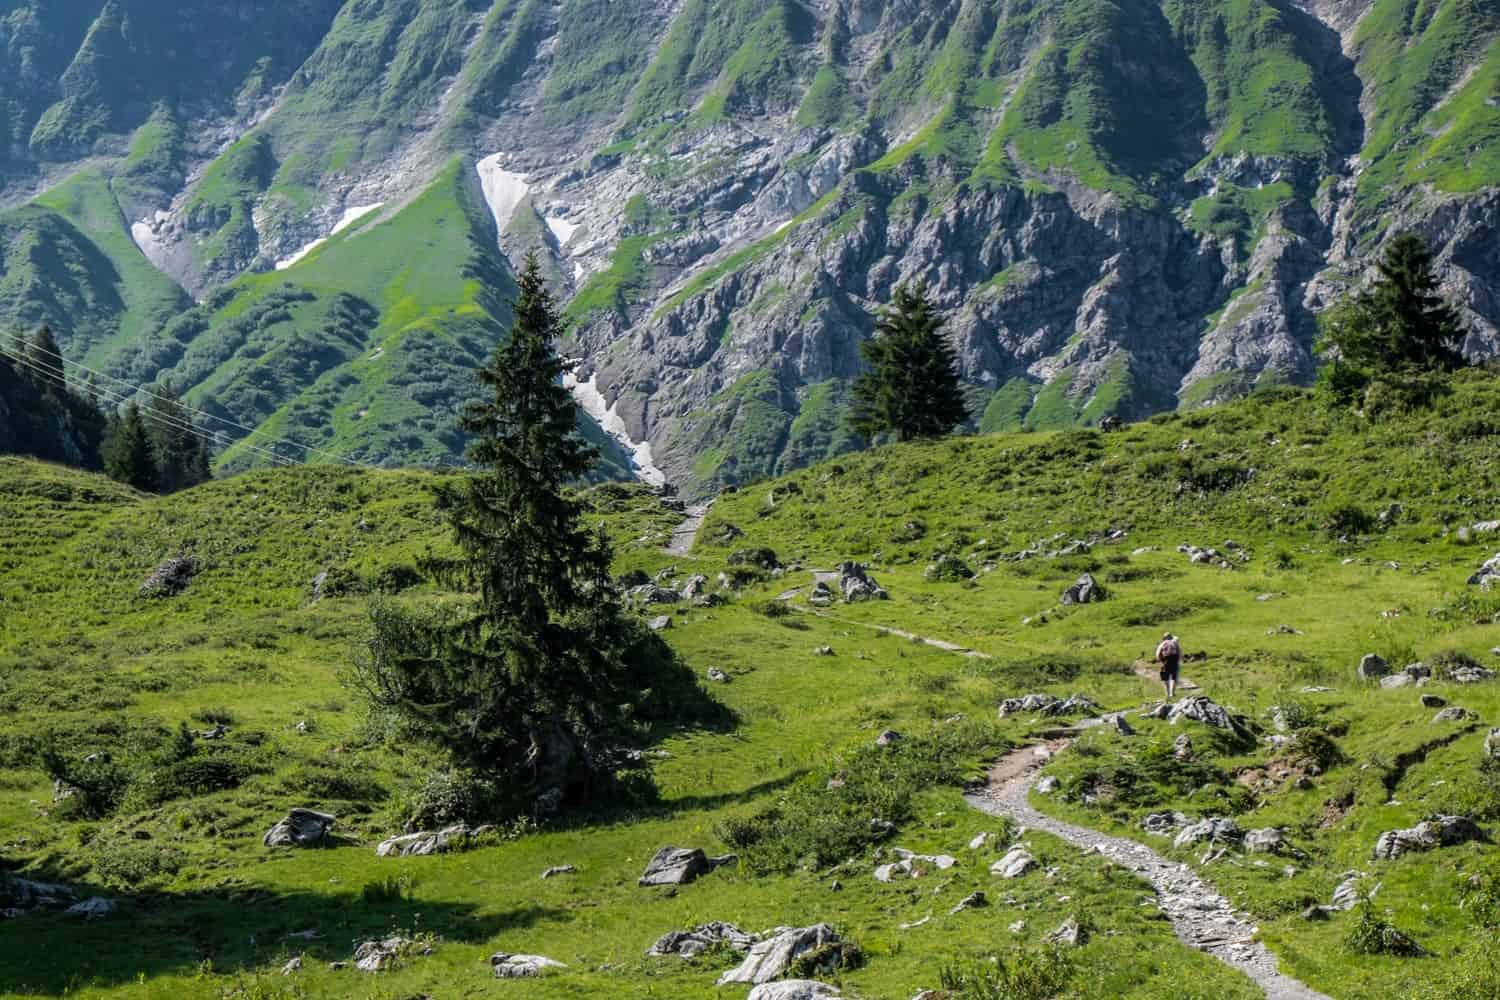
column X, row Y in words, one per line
column 685, row 535
column 1201, row 918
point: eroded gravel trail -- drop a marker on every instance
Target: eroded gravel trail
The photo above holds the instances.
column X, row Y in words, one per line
column 1201, row 917
column 685, row 535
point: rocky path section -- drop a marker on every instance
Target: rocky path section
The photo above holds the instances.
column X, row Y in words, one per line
column 1201, row 917
column 943, row 644
column 685, row 535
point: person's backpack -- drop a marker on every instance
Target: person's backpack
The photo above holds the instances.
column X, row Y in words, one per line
column 1169, row 649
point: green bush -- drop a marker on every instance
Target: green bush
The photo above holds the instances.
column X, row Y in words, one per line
column 1025, row 975
column 130, row 865
column 1373, row 936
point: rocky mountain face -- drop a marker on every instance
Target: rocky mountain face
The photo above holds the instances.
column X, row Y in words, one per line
column 303, row 212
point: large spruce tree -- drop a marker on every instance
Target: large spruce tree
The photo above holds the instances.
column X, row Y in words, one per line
column 180, row 451
column 530, row 684
column 911, row 390
column 1399, row 326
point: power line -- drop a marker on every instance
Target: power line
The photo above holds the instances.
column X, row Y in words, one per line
column 155, row 416
column 249, row 431
column 141, row 390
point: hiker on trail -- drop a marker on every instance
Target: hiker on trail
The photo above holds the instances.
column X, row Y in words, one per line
column 1169, row 655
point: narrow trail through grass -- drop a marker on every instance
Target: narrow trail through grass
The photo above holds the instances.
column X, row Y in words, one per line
column 1201, row 918
column 685, row 535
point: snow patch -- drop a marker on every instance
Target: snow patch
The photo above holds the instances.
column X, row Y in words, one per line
column 286, row 262
column 503, row 190
column 144, row 235
column 785, row 225
column 562, row 229
column 353, row 214
column 589, row 397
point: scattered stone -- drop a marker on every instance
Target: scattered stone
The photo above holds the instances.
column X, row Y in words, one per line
column 1433, row 701
column 1454, row 714
column 301, row 828
column 1019, row 927
column 717, row 676
column 1213, row 830
column 888, row 738
column 1117, row 721
column 1164, row 824
column 772, row 956
column 1488, row 575
column 171, row 577
column 508, row 966
column 969, row 902
column 1492, row 745
column 1471, row 675
column 1068, row 933
column 94, row 908
column 293, row 965
column 651, row 593
column 1265, row 841
column 696, row 587
column 687, row 944
column 1396, row 681
column 1441, row 831
column 1017, row 862
column 1048, row 785
column 557, row 870
column 823, row 651
column 1085, row 591
column 374, row 956
column 661, row 623
column 882, row 827
column 856, row 584
column 1182, row 747
column 821, row 596
column 1283, row 630
column 1201, row 708
column 794, row 989
column 1046, row 704
column 679, row 866
column 982, row 840
column 1372, row 666
column 427, row 842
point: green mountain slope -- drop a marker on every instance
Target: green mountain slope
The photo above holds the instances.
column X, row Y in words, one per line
column 247, row 643
column 1124, row 206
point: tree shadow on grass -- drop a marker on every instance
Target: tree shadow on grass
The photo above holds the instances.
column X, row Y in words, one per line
column 46, row 953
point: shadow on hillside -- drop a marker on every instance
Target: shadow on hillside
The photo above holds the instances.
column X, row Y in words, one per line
column 234, row 930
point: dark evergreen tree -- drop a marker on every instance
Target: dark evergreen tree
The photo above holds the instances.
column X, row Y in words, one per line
column 180, row 451
column 1400, row 325
column 127, row 452
column 39, row 420
column 46, row 360
column 532, row 682
column 911, row 390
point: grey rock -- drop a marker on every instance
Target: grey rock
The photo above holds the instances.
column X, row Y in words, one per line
column 1441, row 831
column 1085, row 591
column 1182, row 747
column 1017, row 862
column 821, row 596
column 1164, row 824
column 770, row 957
column 823, row 651
column 1488, row 574
column 1454, row 713
column 650, row 593
column 1201, row 708
column 856, row 584
column 300, row 828
column 717, row 676
column 972, row 901
column 1472, row 675
column 1118, row 723
column 1396, row 681
column 888, row 738
column 794, row 989
column 1372, row 666
column 1492, row 745
column 1213, row 830
column 1265, row 841
column 1048, row 785
column 1347, row 895
column 704, row 937
column 171, row 577
column 508, row 966
column 679, row 866
column 424, row 843
column 661, row 623
column 557, row 870
column 1433, row 701
column 294, row 964
column 93, row 908
column 1068, row 933
column 376, row 956
column 696, row 587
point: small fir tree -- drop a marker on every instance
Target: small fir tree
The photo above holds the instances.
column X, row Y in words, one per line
column 180, row 451
column 911, row 390
column 127, row 452
column 1398, row 327
column 44, row 353
column 531, row 684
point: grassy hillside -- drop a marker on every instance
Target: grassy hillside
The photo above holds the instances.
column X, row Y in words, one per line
column 206, row 910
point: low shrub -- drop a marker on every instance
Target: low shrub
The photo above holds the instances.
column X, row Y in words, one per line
column 1031, row 974
column 1373, row 936
column 130, row 865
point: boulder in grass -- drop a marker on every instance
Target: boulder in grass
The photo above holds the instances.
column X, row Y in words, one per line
column 1372, row 667
column 1085, row 590
column 1453, row 713
column 1069, row 933
column 1492, row 745
column 377, row 956
column 794, row 989
column 1265, row 841
column 705, row 937
column 771, row 957
column 508, row 966
column 1017, row 862
column 171, row 577
column 856, row 584
column 427, row 842
column 679, row 866
column 1201, row 708
column 300, row 828
column 1441, row 831
column 95, row 908
column 661, row 623
column 1213, row 829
